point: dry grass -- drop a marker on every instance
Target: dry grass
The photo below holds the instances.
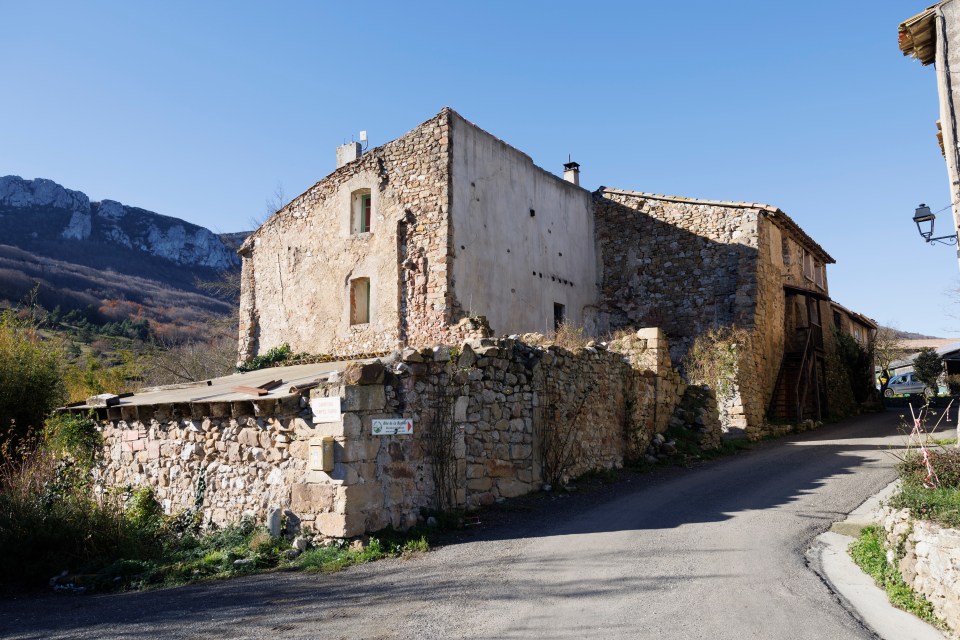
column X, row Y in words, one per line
column 570, row 337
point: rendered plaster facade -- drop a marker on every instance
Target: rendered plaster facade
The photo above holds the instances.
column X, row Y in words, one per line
column 522, row 237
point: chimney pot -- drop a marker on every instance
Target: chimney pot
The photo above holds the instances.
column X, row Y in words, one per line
column 348, row 153
column 571, row 172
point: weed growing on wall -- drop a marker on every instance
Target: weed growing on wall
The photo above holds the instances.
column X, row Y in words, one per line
column 570, row 337
column 714, row 358
column 929, row 471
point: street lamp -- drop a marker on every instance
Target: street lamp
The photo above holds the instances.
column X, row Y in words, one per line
column 925, row 220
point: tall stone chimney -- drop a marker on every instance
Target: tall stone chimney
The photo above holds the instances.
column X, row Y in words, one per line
column 571, row 172
column 348, row 153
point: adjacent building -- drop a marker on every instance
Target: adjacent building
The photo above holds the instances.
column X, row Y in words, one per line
column 933, row 37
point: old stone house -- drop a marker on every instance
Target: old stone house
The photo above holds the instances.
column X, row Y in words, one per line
column 688, row 265
column 410, row 242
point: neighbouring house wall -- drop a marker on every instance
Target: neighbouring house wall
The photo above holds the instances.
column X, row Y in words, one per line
column 297, row 268
column 761, row 363
column 496, row 408
column 509, row 265
column 683, row 266
column 688, row 267
column 947, row 28
column 930, row 561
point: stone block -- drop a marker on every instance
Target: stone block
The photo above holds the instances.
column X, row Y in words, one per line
column 521, row 451
column 460, row 409
column 512, row 487
column 273, row 521
column 249, row 437
column 354, row 498
column 312, row 498
column 475, row 471
column 351, row 426
column 359, row 450
column 363, row 398
column 364, row 374
column 499, row 469
column 331, row 524
column 479, row 484
column 354, row 524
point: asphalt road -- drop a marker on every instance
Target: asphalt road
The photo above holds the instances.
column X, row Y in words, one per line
column 712, row 552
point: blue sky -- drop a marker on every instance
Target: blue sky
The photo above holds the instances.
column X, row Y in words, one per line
column 199, row 110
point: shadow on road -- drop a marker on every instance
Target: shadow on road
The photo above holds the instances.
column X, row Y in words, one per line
column 775, row 474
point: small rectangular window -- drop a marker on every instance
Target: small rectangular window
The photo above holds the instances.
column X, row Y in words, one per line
column 360, row 301
column 365, row 213
column 559, row 314
column 807, row 266
column 361, row 211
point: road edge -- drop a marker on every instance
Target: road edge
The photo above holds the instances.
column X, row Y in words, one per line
column 857, row 592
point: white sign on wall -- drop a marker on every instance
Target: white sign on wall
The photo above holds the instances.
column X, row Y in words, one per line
column 325, row 409
column 392, row 427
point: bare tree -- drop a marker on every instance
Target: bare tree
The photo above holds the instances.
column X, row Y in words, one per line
column 190, row 361
column 276, row 201
column 886, row 350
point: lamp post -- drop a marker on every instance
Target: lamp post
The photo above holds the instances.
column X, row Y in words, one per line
column 924, row 219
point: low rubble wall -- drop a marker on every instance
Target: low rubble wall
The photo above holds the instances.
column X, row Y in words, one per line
column 490, row 419
column 928, row 557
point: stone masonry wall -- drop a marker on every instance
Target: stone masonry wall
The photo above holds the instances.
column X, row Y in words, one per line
column 500, row 404
column 484, row 414
column 242, row 462
column 688, row 266
column 928, row 557
column 297, row 267
column 681, row 266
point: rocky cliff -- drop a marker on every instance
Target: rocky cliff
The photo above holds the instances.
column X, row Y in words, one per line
column 43, row 215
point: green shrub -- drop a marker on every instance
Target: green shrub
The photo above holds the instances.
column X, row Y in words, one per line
column 75, row 436
column 52, row 520
column 927, row 367
column 945, row 464
column 31, row 378
column 271, row 357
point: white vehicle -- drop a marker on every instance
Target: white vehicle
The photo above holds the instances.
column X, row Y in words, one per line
column 905, row 384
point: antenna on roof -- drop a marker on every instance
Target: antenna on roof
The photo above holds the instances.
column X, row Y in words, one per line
column 363, row 140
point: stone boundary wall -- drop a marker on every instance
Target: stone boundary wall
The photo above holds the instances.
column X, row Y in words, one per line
column 928, row 557
column 484, row 414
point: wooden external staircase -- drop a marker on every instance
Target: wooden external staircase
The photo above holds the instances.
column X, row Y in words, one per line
column 798, row 392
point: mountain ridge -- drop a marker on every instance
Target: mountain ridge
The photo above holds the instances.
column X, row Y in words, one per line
column 40, row 214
